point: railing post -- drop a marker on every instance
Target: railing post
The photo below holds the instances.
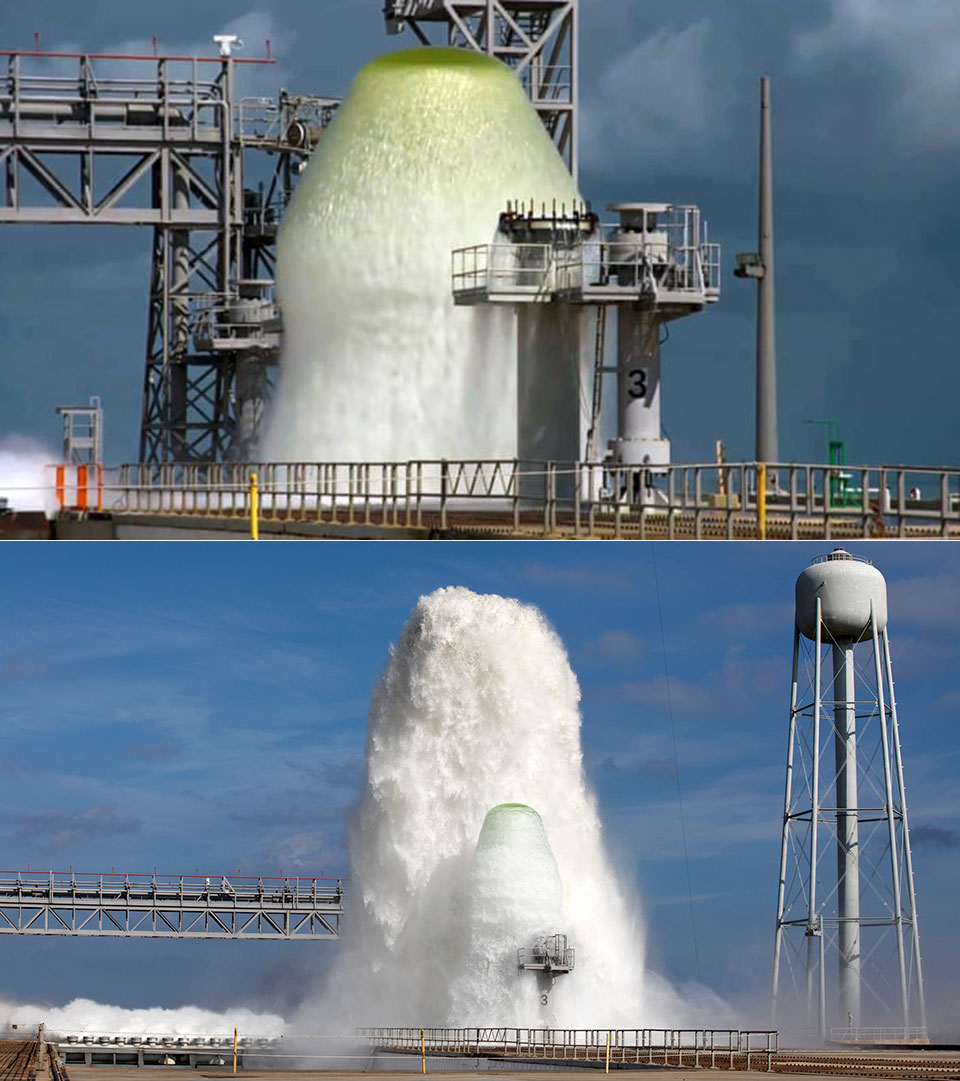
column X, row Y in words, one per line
column 762, row 500
column 254, row 507
column 443, row 494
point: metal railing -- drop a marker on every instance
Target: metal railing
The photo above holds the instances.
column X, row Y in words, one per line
column 884, row 1034
column 548, row 499
column 593, row 271
column 169, row 906
column 713, row 1048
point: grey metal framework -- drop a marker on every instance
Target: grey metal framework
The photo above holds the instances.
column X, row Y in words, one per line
column 537, row 38
column 164, row 906
column 845, row 833
column 160, row 141
column 82, row 432
column 716, row 1048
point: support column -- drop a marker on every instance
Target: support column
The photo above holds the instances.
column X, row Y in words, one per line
column 767, row 450
column 178, row 317
column 848, row 853
column 639, row 440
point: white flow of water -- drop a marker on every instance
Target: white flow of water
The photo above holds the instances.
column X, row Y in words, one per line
column 478, row 707
column 378, row 362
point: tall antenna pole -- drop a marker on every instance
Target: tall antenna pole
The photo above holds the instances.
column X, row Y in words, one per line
column 766, row 337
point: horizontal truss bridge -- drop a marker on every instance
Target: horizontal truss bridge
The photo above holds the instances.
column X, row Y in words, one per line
column 169, row 906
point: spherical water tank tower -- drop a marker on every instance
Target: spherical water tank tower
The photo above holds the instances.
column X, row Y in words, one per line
column 857, row 808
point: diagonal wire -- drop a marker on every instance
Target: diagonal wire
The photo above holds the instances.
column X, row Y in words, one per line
column 676, row 764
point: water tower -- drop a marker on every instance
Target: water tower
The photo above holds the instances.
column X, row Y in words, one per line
column 847, row 952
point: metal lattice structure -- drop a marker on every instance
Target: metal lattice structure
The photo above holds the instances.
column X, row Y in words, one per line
column 537, row 38
column 82, row 432
column 847, row 950
column 160, row 906
column 162, row 142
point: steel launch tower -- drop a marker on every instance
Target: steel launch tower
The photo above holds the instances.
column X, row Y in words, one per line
column 847, row 951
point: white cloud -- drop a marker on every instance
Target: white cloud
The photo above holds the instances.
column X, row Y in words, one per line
column 917, row 42
column 661, row 98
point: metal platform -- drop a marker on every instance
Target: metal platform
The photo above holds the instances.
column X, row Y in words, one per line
column 163, row 906
column 672, row 267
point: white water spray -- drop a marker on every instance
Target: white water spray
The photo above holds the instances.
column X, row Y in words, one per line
column 479, row 707
column 26, row 481
column 379, row 365
column 83, row 1016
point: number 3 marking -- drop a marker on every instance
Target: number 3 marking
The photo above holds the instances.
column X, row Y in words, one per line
column 637, row 382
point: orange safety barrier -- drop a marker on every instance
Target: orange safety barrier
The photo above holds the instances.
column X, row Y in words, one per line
column 81, row 487
column 84, row 481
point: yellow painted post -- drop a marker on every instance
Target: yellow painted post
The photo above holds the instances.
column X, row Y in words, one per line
column 762, row 499
column 254, row 508
column 234, row 1050
column 607, row 1070
column 423, row 1053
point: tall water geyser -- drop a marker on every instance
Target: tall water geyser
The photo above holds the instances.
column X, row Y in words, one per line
column 378, row 363
column 477, row 707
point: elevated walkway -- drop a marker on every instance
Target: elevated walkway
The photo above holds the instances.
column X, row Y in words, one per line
column 165, row 906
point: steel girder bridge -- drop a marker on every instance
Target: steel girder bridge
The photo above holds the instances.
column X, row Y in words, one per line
column 166, row 906
column 165, row 142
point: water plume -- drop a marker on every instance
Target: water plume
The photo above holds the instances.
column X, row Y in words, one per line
column 378, row 364
column 478, row 707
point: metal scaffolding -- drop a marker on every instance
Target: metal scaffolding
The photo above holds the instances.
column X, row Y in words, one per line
column 162, row 141
column 165, row 906
column 537, row 38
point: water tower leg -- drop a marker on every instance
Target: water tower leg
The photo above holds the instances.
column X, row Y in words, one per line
column 848, row 869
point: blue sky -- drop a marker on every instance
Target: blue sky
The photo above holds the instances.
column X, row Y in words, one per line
column 867, row 141
column 205, row 708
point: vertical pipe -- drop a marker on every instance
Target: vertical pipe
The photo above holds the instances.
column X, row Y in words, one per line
column 815, row 789
column 574, row 91
column 234, row 1050
column 766, row 337
column 787, row 799
column 423, row 1053
column 848, row 856
column 908, row 858
column 891, row 821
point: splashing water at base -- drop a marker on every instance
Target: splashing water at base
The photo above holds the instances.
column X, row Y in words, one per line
column 378, row 364
column 25, row 476
column 479, row 707
column 84, row 1016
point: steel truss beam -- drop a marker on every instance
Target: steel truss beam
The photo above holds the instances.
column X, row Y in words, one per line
column 151, row 906
column 537, row 38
